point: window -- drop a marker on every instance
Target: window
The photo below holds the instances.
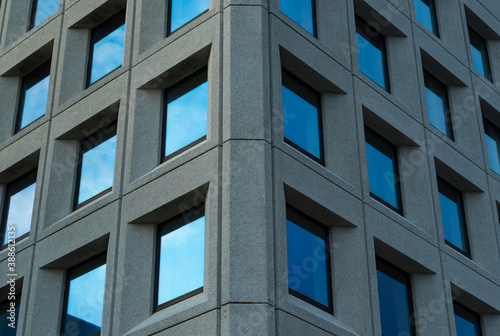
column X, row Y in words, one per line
column 33, row 97
column 106, row 47
column 9, row 308
column 372, row 56
column 84, row 298
column 383, row 176
column 395, row 302
column 18, row 207
column 425, row 11
column 181, row 12
column 180, row 263
column 437, row 104
column 41, row 10
column 185, row 114
column 492, row 136
column 303, row 12
column 302, row 117
column 96, row 165
column 479, row 53
column 467, row 322
column 453, row 217
column 308, row 260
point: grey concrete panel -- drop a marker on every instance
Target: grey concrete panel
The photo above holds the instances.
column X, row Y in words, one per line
column 247, row 319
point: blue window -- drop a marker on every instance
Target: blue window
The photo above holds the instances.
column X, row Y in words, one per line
column 467, row 322
column 106, row 47
column 438, row 108
column 492, row 137
column 84, row 298
column 479, row 53
column 33, row 97
column 96, row 166
column 183, row 11
column 383, row 177
column 453, row 217
column 41, row 10
column 395, row 302
column 186, row 114
column 425, row 11
column 181, row 254
column 18, row 208
column 302, row 117
column 9, row 308
column 308, row 260
column 303, row 12
column 372, row 58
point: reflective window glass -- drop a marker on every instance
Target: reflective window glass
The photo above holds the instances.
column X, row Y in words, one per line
column 300, row 11
column 186, row 113
column 10, row 308
column 97, row 161
column 181, row 255
column 394, row 294
column 308, row 260
column 41, row 10
column 372, row 59
column 437, row 104
column 18, row 207
column 467, row 322
column 33, row 97
column 85, row 298
column 183, row 11
column 492, row 137
column 382, row 162
column 453, row 218
column 302, row 117
column 106, row 48
column 425, row 11
column 479, row 53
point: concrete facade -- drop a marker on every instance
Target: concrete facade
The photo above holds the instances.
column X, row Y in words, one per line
column 245, row 173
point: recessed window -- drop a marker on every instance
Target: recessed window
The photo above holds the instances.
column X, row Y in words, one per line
column 453, row 217
column 185, row 114
column 436, row 95
column 303, row 12
column 33, row 96
column 479, row 53
column 395, row 302
column 425, row 11
column 106, row 47
column 10, row 308
column 383, row 176
column 467, row 322
column 41, row 10
column 308, row 260
column 181, row 12
column 96, row 165
column 84, row 298
column 18, row 207
column 302, row 117
column 181, row 254
column 492, row 137
column 372, row 58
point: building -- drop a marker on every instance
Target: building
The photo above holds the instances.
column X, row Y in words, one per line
column 284, row 167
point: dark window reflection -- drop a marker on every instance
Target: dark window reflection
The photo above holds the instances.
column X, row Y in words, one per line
column 302, row 117
column 183, row 11
column 382, row 161
column 33, row 98
column 425, row 11
column 453, row 218
column 41, row 10
column 181, row 256
column 467, row 322
column 372, row 58
column 308, row 260
column 18, row 207
column 300, row 11
column 394, row 294
column 106, row 51
column 437, row 104
column 97, row 161
column 492, row 136
column 5, row 306
column 84, row 298
column 479, row 53
column 186, row 113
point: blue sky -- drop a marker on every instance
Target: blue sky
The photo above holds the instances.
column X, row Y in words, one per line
column 45, row 8
column 35, row 102
column 185, row 10
column 21, row 210
column 108, row 54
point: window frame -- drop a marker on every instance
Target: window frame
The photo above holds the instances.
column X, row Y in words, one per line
column 169, row 18
column 468, row 314
column 489, row 128
column 434, row 21
column 306, row 222
column 475, row 37
column 429, row 79
column 172, row 224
